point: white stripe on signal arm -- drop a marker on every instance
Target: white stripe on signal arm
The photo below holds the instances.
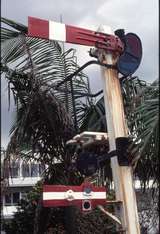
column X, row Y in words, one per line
column 76, row 195
column 57, row 31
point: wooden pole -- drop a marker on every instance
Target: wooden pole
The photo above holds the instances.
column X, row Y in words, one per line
column 116, row 127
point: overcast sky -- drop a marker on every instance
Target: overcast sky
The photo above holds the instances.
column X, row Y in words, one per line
column 137, row 16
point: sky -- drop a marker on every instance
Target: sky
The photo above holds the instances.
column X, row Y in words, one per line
column 140, row 17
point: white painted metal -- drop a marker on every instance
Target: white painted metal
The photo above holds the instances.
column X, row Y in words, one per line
column 57, row 31
column 88, row 134
column 75, row 195
column 87, row 138
column 113, row 217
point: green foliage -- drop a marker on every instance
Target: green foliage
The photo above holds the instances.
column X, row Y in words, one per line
column 142, row 111
column 141, row 105
column 45, row 115
column 94, row 118
column 31, row 63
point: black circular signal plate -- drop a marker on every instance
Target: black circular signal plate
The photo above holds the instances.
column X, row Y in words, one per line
column 130, row 60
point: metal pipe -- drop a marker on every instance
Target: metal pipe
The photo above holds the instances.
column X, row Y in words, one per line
column 82, row 67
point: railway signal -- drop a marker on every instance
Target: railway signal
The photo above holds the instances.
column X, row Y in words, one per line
column 86, row 196
column 127, row 46
column 121, row 53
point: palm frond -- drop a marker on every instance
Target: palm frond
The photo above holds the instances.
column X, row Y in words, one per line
column 44, row 62
column 141, row 104
column 15, row 25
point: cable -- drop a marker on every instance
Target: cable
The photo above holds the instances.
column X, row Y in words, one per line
column 82, row 67
column 81, row 94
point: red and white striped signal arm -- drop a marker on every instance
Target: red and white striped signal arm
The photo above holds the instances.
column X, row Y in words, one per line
column 86, row 196
column 52, row 30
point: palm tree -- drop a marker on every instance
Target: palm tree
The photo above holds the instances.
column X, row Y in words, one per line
column 45, row 117
column 141, row 104
column 143, row 122
column 39, row 65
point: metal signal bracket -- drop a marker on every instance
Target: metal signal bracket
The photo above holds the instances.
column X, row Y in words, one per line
column 70, row 34
column 128, row 46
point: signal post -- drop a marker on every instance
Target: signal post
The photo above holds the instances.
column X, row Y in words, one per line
column 116, row 127
column 115, row 52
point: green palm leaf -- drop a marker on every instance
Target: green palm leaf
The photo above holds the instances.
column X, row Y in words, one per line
column 141, row 103
column 44, row 62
